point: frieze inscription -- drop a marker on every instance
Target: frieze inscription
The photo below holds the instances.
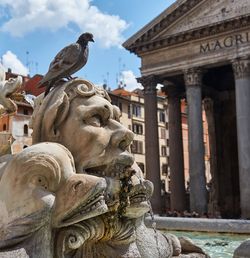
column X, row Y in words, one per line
column 227, row 42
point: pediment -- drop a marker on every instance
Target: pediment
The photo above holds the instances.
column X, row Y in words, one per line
column 206, row 13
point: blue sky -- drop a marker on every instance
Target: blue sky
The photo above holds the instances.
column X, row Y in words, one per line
column 43, row 27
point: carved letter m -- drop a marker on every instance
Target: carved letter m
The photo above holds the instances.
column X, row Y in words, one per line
column 205, row 48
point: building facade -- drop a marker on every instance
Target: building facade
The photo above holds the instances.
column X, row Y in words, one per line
column 199, row 50
column 132, row 109
column 15, row 133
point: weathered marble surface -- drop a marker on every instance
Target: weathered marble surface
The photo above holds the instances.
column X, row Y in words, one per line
column 41, row 193
column 79, row 116
column 243, row 251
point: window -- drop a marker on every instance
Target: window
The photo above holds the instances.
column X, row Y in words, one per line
column 120, row 106
column 164, row 169
column 25, row 130
column 168, row 142
column 137, row 128
column 141, row 166
column 136, row 147
column 137, row 110
column 163, row 133
column 129, row 127
column 162, row 117
column 129, row 111
column 163, row 151
column 4, row 127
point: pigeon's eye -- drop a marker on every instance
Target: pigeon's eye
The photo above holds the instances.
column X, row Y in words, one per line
column 95, row 120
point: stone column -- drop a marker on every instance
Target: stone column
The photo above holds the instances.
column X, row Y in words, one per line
column 213, row 198
column 242, row 89
column 176, row 159
column 198, row 193
column 152, row 140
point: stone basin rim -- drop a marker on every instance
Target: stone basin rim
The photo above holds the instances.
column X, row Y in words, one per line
column 232, row 226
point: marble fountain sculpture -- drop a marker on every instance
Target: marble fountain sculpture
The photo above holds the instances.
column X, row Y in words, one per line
column 77, row 192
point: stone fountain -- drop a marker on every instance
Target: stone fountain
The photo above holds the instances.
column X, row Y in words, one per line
column 77, row 192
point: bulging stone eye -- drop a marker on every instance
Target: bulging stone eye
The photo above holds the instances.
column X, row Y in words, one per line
column 41, row 181
column 95, row 120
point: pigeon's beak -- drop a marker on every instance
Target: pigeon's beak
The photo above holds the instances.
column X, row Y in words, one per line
column 92, row 40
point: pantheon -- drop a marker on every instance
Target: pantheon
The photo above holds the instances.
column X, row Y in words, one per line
column 200, row 50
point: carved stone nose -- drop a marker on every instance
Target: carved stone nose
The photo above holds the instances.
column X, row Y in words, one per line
column 122, row 138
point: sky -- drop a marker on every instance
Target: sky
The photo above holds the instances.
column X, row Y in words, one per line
column 32, row 32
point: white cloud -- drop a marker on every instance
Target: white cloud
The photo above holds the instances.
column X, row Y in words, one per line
column 29, row 15
column 130, row 80
column 11, row 61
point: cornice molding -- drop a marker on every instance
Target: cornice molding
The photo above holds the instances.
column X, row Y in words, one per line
column 166, row 21
column 145, row 44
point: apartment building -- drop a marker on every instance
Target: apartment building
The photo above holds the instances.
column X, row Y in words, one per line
column 15, row 133
column 131, row 105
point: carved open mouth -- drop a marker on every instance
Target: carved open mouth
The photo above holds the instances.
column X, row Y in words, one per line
column 140, row 193
column 117, row 171
column 93, row 207
column 97, row 171
column 119, row 167
column 138, row 198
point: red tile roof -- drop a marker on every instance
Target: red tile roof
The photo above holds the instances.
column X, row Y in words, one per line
column 124, row 93
column 30, row 87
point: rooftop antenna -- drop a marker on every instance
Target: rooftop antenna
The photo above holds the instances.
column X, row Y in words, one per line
column 36, row 65
column 104, row 82
column 117, row 79
column 107, row 78
column 27, row 60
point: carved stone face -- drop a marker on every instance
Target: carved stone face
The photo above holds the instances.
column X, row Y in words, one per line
column 93, row 135
column 97, row 141
column 39, row 187
column 80, row 117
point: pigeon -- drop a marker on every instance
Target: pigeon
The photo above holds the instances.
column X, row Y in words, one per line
column 68, row 61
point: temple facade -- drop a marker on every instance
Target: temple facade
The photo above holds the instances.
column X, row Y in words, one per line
column 200, row 51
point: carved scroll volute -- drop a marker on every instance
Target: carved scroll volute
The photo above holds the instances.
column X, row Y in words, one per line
column 69, row 240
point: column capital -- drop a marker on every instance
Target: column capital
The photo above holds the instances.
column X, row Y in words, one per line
column 193, row 76
column 149, row 83
column 171, row 89
column 241, row 67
